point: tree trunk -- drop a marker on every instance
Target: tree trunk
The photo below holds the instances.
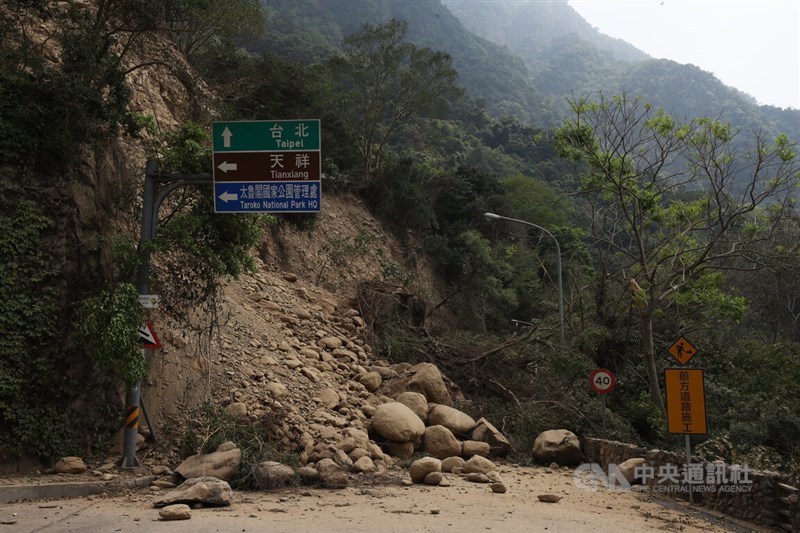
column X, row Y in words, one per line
column 646, row 317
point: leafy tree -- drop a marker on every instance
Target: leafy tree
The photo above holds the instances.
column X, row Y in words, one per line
column 384, row 83
column 196, row 25
column 666, row 211
column 48, row 111
column 486, row 293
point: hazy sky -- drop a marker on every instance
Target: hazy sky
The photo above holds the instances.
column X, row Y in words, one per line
column 752, row 45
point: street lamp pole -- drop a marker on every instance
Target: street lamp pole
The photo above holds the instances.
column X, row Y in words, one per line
column 492, row 217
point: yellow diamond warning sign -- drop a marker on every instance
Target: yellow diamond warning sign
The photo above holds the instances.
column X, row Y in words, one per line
column 682, row 350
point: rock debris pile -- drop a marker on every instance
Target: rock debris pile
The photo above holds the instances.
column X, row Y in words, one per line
column 293, row 354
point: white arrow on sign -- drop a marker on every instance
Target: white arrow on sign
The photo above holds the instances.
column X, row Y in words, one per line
column 226, row 137
column 147, row 336
column 225, row 166
column 228, row 196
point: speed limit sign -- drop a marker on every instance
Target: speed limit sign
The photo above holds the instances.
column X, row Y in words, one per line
column 602, row 381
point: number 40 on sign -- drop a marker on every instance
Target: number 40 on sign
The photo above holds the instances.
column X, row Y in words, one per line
column 602, row 381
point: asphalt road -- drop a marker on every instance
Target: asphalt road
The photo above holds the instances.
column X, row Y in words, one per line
column 461, row 507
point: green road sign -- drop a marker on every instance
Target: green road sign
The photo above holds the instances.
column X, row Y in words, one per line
column 266, row 135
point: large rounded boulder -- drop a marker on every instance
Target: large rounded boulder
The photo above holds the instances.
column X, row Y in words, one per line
column 394, row 421
column 422, row 467
column 428, row 381
column 416, row 402
column 559, row 446
column 440, row 442
column 456, row 421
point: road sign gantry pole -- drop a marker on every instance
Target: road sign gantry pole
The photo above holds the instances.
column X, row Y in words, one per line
column 150, row 206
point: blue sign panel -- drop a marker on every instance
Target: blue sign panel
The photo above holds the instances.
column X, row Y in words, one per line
column 267, row 197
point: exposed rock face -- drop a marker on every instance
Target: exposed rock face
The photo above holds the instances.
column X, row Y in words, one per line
column 559, row 446
column 396, row 422
column 199, row 490
column 220, row 464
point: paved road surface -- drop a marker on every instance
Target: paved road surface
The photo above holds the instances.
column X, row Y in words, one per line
column 461, row 507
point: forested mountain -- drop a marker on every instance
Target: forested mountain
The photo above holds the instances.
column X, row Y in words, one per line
column 522, row 58
column 312, row 30
column 653, row 220
column 529, row 28
column 567, row 55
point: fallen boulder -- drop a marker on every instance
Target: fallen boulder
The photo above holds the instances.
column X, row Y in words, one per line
column 559, row 446
column 484, row 431
column 220, row 464
column 199, row 490
column 396, row 422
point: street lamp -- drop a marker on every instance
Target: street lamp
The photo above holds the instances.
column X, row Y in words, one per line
column 492, row 217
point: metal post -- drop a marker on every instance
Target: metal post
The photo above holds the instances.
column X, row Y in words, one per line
column 132, row 396
column 150, row 205
column 147, row 419
column 129, row 459
column 688, row 465
column 492, row 216
column 603, row 414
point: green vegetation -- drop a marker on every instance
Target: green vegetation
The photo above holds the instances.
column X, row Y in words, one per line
column 70, row 327
column 384, row 84
column 209, row 426
column 669, row 232
column 87, row 89
column 665, row 226
column 206, row 27
column 30, row 317
column 109, row 328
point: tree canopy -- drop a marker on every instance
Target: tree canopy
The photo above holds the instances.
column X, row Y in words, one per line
column 667, row 213
column 386, row 82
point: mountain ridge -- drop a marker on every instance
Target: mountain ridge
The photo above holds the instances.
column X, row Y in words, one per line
column 529, row 57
